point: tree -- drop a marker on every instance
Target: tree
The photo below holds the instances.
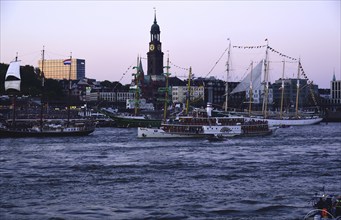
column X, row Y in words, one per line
column 106, row 84
column 31, row 83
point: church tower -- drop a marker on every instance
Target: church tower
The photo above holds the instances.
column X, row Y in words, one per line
column 155, row 54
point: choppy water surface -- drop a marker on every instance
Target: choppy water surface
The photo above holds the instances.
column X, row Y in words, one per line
column 111, row 174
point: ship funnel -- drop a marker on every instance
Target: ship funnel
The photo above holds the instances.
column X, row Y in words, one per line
column 209, row 109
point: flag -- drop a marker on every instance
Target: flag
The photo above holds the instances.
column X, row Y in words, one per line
column 67, row 62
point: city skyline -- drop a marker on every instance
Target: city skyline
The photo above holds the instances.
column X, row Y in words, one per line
column 110, row 35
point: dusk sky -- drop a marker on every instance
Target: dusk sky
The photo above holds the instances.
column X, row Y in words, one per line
column 110, row 35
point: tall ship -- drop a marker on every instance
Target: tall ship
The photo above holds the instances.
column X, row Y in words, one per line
column 253, row 82
column 38, row 127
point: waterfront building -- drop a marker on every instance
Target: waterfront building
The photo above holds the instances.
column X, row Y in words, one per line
column 290, row 92
column 330, row 101
column 258, row 97
column 55, row 69
column 143, row 105
column 110, row 96
column 214, row 92
column 180, row 94
column 335, row 91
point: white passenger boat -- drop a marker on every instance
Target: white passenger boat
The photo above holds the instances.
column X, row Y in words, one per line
column 202, row 125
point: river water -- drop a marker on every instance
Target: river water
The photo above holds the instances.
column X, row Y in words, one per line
column 112, row 174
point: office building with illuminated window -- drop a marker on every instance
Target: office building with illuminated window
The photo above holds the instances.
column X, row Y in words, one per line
column 335, row 91
column 55, row 69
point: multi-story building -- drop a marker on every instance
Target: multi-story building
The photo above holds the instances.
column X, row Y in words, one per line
column 258, row 97
column 180, row 93
column 290, row 92
column 111, row 96
column 130, row 104
column 215, row 93
column 330, row 101
column 55, row 69
column 215, row 90
column 335, row 91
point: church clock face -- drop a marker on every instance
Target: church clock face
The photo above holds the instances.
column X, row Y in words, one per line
column 159, row 47
column 151, row 47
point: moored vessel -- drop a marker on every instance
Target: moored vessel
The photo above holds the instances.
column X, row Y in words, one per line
column 39, row 127
column 133, row 121
column 291, row 121
column 286, row 100
column 55, row 128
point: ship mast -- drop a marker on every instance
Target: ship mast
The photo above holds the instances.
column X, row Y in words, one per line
column 227, row 77
column 137, row 93
column 69, row 101
column 188, row 89
column 298, row 86
column 266, row 79
column 266, row 91
column 43, row 89
column 167, row 90
column 250, row 91
column 282, row 95
column 14, row 99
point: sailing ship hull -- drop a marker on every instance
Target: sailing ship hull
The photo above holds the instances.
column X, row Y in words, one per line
column 134, row 122
column 290, row 122
column 17, row 133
